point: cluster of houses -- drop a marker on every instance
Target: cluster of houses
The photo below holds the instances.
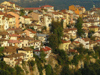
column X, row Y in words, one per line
column 20, row 32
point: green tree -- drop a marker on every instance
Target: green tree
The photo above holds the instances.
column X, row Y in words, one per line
column 42, row 56
column 55, row 38
column 19, row 70
column 22, row 12
column 39, row 64
column 48, row 69
column 53, row 41
column 30, row 11
column 78, row 25
column 32, row 47
column 66, row 71
column 31, row 64
column 62, row 21
column 1, row 51
column 6, row 69
column 44, row 28
column 62, row 57
column 90, row 33
column 78, row 72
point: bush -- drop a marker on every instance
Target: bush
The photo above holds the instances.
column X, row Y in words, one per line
column 48, row 69
column 31, row 64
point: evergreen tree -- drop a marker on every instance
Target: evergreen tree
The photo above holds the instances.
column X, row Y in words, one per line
column 78, row 25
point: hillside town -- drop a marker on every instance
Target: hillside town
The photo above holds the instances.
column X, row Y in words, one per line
column 26, row 32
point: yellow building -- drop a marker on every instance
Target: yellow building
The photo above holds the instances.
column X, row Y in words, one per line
column 64, row 45
column 28, row 53
column 77, row 9
column 14, row 59
column 7, row 3
column 93, row 28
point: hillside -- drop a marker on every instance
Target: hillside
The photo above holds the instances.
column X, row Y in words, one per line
column 59, row 4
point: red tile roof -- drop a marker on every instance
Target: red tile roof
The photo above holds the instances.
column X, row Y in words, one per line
column 72, row 50
column 64, row 41
column 76, row 41
column 93, row 27
column 11, row 2
column 46, row 6
column 1, row 13
column 14, row 35
column 8, row 15
column 97, row 40
column 46, row 48
column 26, row 17
column 32, row 8
column 14, row 41
column 31, row 30
column 13, row 29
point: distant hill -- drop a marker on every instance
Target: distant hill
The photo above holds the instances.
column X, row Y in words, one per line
column 59, row 4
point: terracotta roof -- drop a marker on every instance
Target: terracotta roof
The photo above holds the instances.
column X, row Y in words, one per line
column 56, row 13
column 4, row 33
column 11, row 2
column 1, row 6
column 10, row 49
column 64, row 41
column 3, row 39
column 13, row 29
column 15, row 55
column 46, row 48
column 26, row 17
column 76, row 41
column 8, row 15
column 33, row 8
column 1, row 13
column 72, row 50
column 31, row 30
column 46, row 6
column 86, row 39
column 14, row 41
column 25, row 38
column 97, row 40
column 20, row 59
column 64, row 10
column 14, row 35
column 26, row 49
column 47, row 15
column 93, row 27
column 70, row 29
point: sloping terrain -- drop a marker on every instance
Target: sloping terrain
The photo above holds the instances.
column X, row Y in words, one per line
column 59, row 4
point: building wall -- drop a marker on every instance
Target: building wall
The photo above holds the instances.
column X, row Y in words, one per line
column 27, row 32
column 94, row 29
column 35, row 16
column 28, row 56
column 64, row 46
column 16, row 17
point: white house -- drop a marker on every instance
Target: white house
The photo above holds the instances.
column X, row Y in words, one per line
column 84, row 42
column 46, row 49
column 28, row 53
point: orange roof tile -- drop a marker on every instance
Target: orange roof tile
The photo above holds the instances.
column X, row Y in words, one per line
column 31, row 30
column 46, row 48
column 64, row 41
column 33, row 8
column 93, row 27
column 46, row 6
